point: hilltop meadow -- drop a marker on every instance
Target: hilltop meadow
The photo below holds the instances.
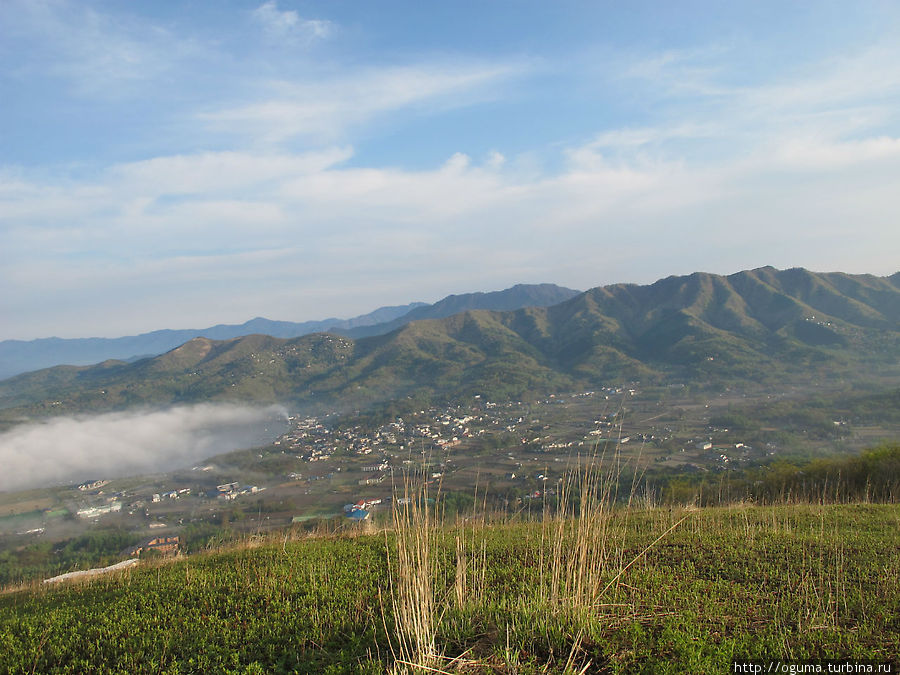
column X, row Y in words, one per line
column 589, row 581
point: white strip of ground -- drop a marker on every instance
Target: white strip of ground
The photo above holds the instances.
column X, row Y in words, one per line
column 93, row 572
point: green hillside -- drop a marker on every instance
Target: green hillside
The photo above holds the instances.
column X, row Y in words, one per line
column 636, row 591
column 18, row 356
column 521, row 295
column 760, row 326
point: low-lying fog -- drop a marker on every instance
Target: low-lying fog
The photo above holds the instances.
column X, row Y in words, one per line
column 73, row 449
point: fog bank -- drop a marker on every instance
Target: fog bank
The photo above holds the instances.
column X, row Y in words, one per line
column 72, row 449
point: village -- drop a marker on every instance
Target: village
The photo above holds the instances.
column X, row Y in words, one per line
column 354, row 466
column 517, row 449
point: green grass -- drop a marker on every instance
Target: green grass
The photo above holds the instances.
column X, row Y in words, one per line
column 790, row 582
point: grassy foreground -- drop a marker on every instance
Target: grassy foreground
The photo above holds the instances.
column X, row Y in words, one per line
column 648, row 591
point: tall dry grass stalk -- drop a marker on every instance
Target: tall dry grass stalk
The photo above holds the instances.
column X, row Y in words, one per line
column 581, row 559
column 471, row 554
column 412, row 581
column 580, row 535
column 584, row 534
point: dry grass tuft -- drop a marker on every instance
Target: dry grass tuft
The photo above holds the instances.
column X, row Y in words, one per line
column 581, row 564
column 412, row 579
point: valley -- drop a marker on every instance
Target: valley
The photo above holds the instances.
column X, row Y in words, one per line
column 675, row 445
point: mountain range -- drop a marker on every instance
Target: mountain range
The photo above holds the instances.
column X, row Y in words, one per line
column 20, row 356
column 762, row 325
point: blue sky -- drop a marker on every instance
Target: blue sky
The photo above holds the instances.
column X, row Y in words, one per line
column 181, row 164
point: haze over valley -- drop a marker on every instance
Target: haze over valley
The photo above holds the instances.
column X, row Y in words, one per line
column 112, row 445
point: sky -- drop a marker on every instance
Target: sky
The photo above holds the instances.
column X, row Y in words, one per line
column 181, row 164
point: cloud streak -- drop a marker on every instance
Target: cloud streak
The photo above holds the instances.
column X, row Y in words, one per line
column 68, row 450
column 174, row 233
column 97, row 54
column 288, row 24
column 325, row 110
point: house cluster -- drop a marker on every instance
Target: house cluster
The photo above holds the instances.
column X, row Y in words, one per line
column 165, row 545
column 430, row 431
column 434, row 428
column 720, row 455
column 233, row 490
column 309, row 437
column 92, row 485
column 173, row 494
column 95, row 511
column 362, row 509
column 725, row 454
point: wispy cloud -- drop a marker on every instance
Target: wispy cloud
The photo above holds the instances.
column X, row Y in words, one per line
column 72, row 449
column 822, row 155
column 324, row 110
column 840, row 98
column 866, row 76
column 288, row 24
column 224, row 173
column 97, row 54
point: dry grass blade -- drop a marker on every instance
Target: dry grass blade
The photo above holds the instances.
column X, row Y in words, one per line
column 413, row 595
column 420, row 666
column 642, row 554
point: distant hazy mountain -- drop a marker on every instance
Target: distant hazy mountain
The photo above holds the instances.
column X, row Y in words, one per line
column 19, row 356
column 517, row 297
column 761, row 325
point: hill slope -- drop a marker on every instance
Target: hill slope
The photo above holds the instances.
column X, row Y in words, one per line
column 520, row 295
column 18, row 356
column 707, row 587
column 759, row 325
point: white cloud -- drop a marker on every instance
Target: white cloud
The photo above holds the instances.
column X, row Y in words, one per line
column 326, row 109
column 818, row 155
column 100, row 55
column 796, row 169
column 66, row 449
column 160, row 239
column 220, row 172
column 288, row 23
column 495, row 160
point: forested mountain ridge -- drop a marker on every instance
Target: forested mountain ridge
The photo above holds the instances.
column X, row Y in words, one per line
column 19, row 356
column 750, row 326
column 517, row 297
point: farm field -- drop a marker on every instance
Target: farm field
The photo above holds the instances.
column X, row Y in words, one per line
column 629, row 591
